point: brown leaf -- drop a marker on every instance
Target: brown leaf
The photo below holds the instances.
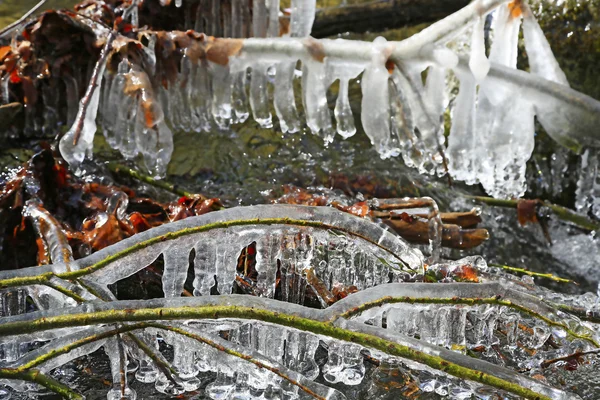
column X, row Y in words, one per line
column 527, row 211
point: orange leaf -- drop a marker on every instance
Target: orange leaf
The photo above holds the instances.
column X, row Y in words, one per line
column 527, row 211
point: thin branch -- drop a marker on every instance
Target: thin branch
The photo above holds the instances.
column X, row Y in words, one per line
column 532, row 273
column 20, row 21
column 117, row 168
column 574, row 356
column 96, row 76
column 561, row 212
column 316, row 217
column 36, row 376
column 138, row 313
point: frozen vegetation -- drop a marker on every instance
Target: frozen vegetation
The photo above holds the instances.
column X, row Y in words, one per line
column 492, row 131
column 335, row 306
column 269, row 350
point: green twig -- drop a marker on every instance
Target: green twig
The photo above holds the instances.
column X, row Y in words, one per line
column 532, row 273
column 36, row 376
column 496, row 300
column 117, row 168
column 561, row 212
column 41, row 279
column 305, row 324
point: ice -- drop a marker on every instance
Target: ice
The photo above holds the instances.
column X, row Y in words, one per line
column 176, row 261
column 541, row 60
column 221, row 94
column 314, row 96
column 344, row 71
column 344, row 364
column 422, row 131
column 375, row 116
column 462, row 142
column 78, row 142
column 284, row 99
column 508, row 131
column 267, row 251
column 12, row 302
column 478, row 61
column 303, row 16
column 273, row 8
column 503, row 51
column 259, row 95
column 49, row 229
column 118, row 361
column 588, row 184
column 204, row 267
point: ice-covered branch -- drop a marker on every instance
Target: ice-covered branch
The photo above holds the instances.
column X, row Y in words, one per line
column 297, row 317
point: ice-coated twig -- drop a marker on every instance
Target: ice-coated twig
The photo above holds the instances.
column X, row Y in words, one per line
column 8, row 29
column 523, row 271
column 35, row 376
column 117, row 168
column 94, row 82
column 154, row 241
column 85, row 122
column 293, row 316
column 563, row 213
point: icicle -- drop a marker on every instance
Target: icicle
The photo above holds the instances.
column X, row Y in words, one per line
column 345, row 71
column 267, row 253
column 215, row 18
column 118, row 361
column 176, row 263
column 507, row 131
column 462, row 148
column 259, row 95
column 303, row 16
column 12, row 302
column 314, row 95
column 229, row 248
column 204, row 267
column 478, row 62
column 79, row 140
column 504, row 50
column 4, row 83
column 239, row 98
column 260, row 19
column 284, row 99
column 422, row 131
column 273, row 6
column 375, row 115
column 588, row 184
column 221, row 94
column 541, row 59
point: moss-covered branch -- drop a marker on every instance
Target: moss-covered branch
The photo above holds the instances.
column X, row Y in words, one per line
column 36, row 376
column 496, row 300
column 43, row 278
column 304, row 324
column 523, row 271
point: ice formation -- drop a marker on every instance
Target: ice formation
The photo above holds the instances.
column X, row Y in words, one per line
column 494, row 317
column 491, row 136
